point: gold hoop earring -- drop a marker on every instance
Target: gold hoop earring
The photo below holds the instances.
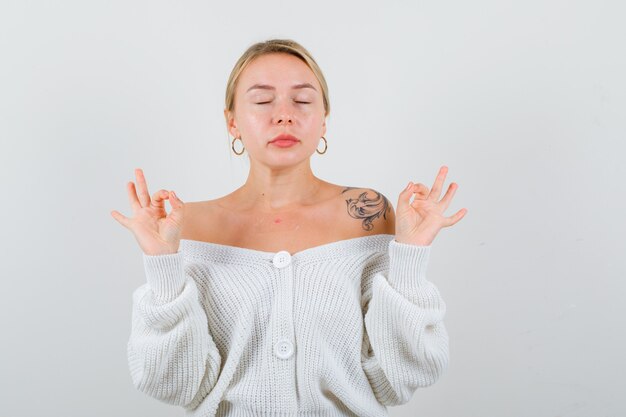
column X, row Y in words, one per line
column 325, row 147
column 233, row 146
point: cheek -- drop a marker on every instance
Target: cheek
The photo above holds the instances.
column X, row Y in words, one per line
column 252, row 118
column 314, row 118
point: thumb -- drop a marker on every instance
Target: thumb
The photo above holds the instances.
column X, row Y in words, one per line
column 405, row 197
column 177, row 207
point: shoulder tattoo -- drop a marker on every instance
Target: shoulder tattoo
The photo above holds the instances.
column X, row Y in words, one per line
column 366, row 208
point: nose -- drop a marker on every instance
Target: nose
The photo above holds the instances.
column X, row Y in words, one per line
column 283, row 118
column 283, row 115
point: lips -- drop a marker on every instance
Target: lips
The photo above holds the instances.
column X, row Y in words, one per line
column 285, row 136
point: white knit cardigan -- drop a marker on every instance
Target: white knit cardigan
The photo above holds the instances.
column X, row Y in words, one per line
column 341, row 329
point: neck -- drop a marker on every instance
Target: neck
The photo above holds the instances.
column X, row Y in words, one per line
column 269, row 189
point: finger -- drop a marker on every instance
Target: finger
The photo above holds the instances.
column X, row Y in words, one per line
column 405, row 196
column 445, row 201
column 158, row 199
column 457, row 216
column 144, row 196
column 438, row 185
column 177, row 205
column 175, row 201
column 123, row 220
column 421, row 191
column 132, row 196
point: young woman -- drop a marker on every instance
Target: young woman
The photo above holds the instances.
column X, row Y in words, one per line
column 291, row 295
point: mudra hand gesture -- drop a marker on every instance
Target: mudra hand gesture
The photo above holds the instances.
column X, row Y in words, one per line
column 157, row 232
column 418, row 222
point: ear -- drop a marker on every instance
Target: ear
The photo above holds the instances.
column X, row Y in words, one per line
column 324, row 127
column 230, row 123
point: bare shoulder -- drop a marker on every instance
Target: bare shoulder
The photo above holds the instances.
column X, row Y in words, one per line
column 343, row 212
column 199, row 216
column 367, row 210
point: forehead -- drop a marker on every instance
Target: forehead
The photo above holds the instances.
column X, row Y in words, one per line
column 277, row 69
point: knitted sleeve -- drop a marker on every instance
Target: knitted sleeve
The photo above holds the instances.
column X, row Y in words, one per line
column 405, row 343
column 171, row 355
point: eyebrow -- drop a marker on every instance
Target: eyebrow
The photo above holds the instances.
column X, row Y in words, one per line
column 270, row 87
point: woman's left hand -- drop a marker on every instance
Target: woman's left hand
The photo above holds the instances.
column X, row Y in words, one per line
column 418, row 223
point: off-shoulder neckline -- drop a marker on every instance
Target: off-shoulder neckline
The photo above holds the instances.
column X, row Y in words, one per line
column 211, row 250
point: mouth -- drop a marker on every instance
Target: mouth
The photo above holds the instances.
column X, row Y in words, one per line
column 283, row 138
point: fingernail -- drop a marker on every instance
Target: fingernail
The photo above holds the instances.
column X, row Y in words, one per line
column 409, row 185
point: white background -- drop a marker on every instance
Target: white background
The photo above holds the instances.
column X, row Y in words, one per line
column 523, row 101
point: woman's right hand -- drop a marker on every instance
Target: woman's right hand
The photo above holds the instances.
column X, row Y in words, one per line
column 157, row 232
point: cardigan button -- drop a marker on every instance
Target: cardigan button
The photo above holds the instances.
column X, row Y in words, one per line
column 283, row 348
column 282, row 259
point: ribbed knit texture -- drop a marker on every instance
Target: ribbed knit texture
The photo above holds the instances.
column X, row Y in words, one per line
column 341, row 329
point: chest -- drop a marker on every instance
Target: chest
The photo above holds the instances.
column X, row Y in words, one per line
column 293, row 231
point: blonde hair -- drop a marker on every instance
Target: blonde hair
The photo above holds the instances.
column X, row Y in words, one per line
column 273, row 46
